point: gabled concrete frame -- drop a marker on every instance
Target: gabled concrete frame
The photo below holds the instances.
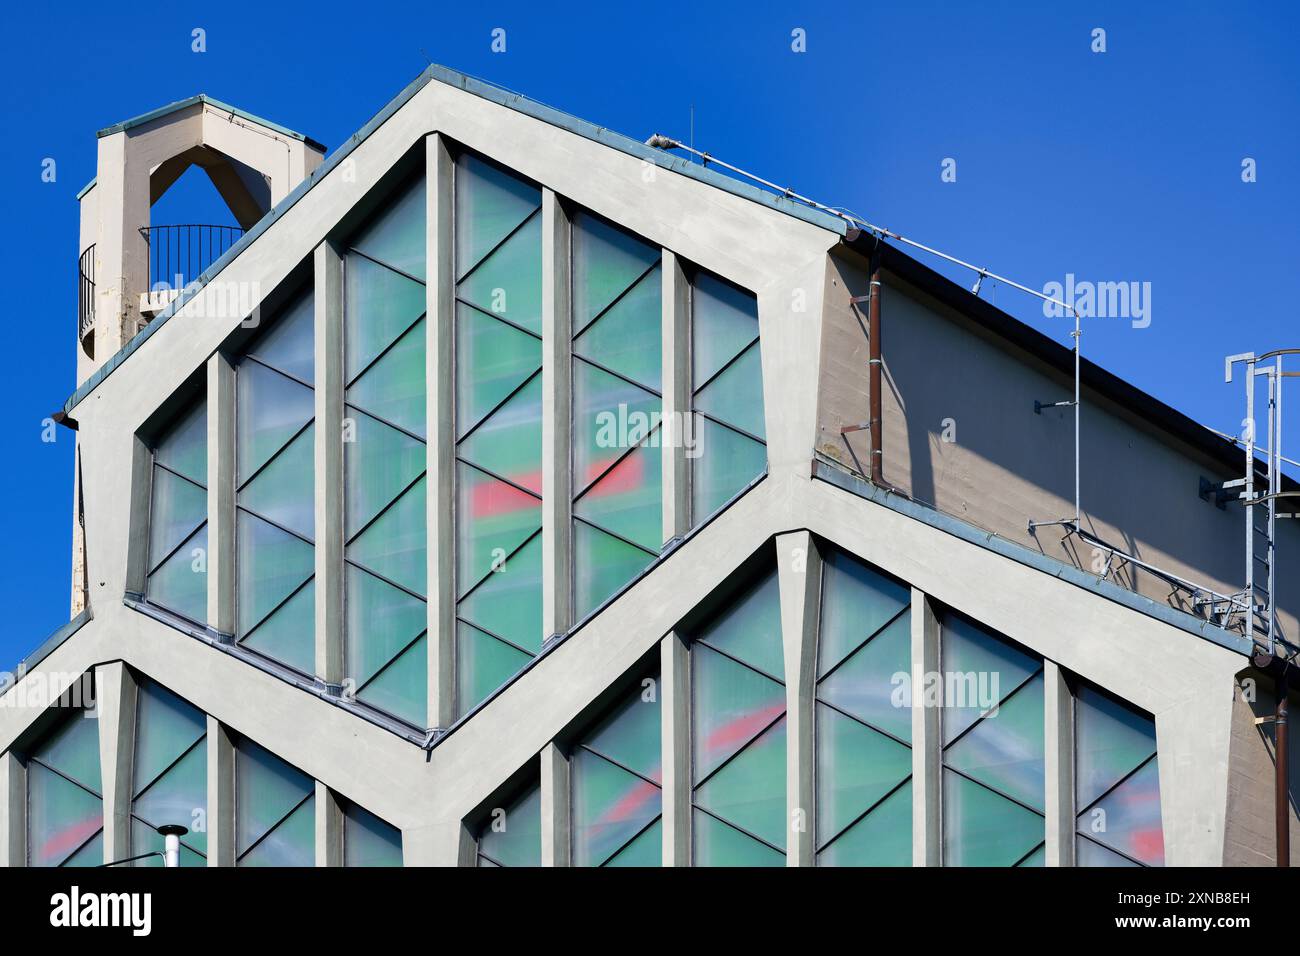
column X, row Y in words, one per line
column 1185, row 683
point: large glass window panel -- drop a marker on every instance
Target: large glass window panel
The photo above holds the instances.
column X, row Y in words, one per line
column 170, row 774
column 368, row 840
column 65, row 811
column 274, row 810
column 178, row 512
column 512, row 834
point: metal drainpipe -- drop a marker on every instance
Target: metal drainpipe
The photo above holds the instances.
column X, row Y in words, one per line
column 873, row 376
column 1282, row 775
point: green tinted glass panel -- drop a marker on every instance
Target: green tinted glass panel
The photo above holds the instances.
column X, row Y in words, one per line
column 368, row 840
column 272, row 565
column 272, row 408
column 509, row 601
column 166, row 727
column 725, row 319
column 606, row 260
column 73, row 749
column 179, row 796
column 394, row 544
column 61, row 816
column 1110, row 740
column 495, row 518
column 283, row 491
column 513, row 834
column 1128, row 818
column 736, row 395
column 609, row 417
column 180, row 584
column 393, row 387
column 610, row 807
column 381, row 621
column 856, row 768
column 483, row 664
column 402, row 687
column 90, row 854
column 178, row 507
column 1087, row 853
column 881, row 838
column 289, row 634
column 1005, row 748
column 628, row 337
column 628, row 499
column 717, row 844
column 979, row 670
column 981, row 828
column 292, row 843
column 266, row 789
column 733, row 704
column 751, row 628
column 379, row 464
column 508, row 283
column 492, row 360
column 397, row 235
column 856, row 603
column 749, row 791
column 630, row 735
column 646, row 850
column 601, row 565
column 184, row 448
column 290, row 345
column 380, row 305
column 489, row 204
column 874, row 684
column 726, row 461
column 1035, row 859
column 509, row 442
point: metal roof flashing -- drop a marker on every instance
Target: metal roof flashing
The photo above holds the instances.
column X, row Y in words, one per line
column 203, row 98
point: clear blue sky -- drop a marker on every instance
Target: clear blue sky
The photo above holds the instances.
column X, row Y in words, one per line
column 1123, row 165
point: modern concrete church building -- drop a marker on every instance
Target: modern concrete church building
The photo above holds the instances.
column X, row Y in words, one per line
column 507, row 492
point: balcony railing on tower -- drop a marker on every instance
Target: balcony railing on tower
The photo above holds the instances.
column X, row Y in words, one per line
column 86, row 301
column 178, row 255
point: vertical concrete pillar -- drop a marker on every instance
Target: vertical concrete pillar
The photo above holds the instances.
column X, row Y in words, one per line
column 13, row 810
column 439, row 373
column 329, row 827
column 927, row 743
column 676, row 298
column 675, row 715
column 328, row 302
column 439, row 844
column 799, row 581
column 115, row 694
column 221, row 795
column 557, row 382
column 1058, row 759
column 556, row 819
column 221, row 494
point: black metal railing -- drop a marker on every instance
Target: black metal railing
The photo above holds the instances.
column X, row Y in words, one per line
column 86, row 301
column 179, row 254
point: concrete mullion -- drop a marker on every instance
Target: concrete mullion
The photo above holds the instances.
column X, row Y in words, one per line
column 221, row 494
column 115, row 696
column 927, row 744
column 440, row 361
column 675, row 718
column 221, row 795
column 329, row 463
column 556, row 818
column 329, row 827
column 799, row 582
column 13, row 810
column 676, row 304
column 1058, row 760
column 557, row 390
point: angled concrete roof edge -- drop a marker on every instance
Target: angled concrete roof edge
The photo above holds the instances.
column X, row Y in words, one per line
column 87, row 188
column 479, row 88
column 204, row 98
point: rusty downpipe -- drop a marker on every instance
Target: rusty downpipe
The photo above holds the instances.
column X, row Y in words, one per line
column 1282, row 774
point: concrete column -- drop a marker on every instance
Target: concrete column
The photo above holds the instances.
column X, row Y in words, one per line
column 799, row 581
column 328, row 301
column 675, row 714
column 221, row 494
column 137, row 548
column 439, row 373
column 221, row 795
column 1058, row 759
column 676, row 297
column 115, row 694
column 439, row 844
column 13, row 810
column 927, row 744
column 329, row 827
column 557, row 387
column 556, row 819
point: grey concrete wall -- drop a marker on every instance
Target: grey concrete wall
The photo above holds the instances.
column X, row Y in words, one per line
column 1251, row 833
